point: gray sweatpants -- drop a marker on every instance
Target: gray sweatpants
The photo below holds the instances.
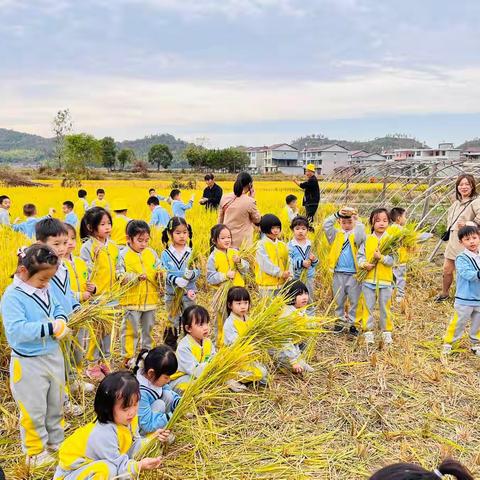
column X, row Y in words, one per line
column 456, row 327
column 400, row 278
column 383, row 295
column 345, row 286
column 133, row 323
column 37, row 385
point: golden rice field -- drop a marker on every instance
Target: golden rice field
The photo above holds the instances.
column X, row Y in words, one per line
column 354, row 414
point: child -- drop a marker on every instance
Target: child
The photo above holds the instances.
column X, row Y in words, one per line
column 195, row 349
column 175, row 260
column 398, row 218
column 28, row 226
column 291, row 208
column 160, row 216
column 157, row 400
column 120, row 221
column 272, row 268
column 101, row 256
column 224, row 265
column 82, row 195
column 301, row 256
column 152, row 193
column 296, row 294
column 238, row 306
column 70, row 216
column 5, row 204
column 467, row 295
column 342, row 262
column 139, row 264
column 34, row 322
column 178, row 207
column 105, row 448
column 100, row 201
column 377, row 286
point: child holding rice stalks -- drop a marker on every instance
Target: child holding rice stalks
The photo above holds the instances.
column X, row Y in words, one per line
column 180, row 279
column 139, row 265
column 238, row 306
column 195, row 349
column 273, row 267
column 34, row 322
column 225, row 268
column 342, row 261
column 157, row 400
column 105, row 448
column 101, row 256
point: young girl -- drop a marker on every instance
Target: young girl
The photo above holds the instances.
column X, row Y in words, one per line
column 238, row 306
column 175, row 260
column 301, row 255
column 157, row 399
column 195, row 349
column 296, row 293
column 34, row 322
column 224, row 265
column 139, row 264
column 106, row 447
column 378, row 284
column 101, row 256
column 272, row 268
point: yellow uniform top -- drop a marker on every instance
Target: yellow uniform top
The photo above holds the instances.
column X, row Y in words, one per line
column 272, row 260
column 78, row 271
column 119, row 228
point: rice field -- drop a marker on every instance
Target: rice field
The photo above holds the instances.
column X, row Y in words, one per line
column 354, row 414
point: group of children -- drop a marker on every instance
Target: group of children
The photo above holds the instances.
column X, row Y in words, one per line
column 51, row 283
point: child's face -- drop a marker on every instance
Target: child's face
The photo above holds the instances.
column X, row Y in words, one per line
column 293, row 204
column 151, row 206
column 66, row 209
column 300, row 232
column 240, row 307
column 104, row 229
column 139, row 242
column 40, row 279
column 100, row 196
column 402, row 220
column 224, row 240
column 124, row 415
column 6, row 203
column 199, row 332
column 176, row 197
column 161, row 381
column 301, row 300
column 71, row 242
column 274, row 233
column 471, row 242
column 347, row 224
column 180, row 235
column 153, row 193
column 58, row 244
column 380, row 222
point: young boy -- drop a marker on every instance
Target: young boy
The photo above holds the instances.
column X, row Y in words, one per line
column 153, row 193
column 291, row 208
column 160, row 216
column 82, row 195
column 28, row 226
column 70, row 216
column 119, row 222
column 4, row 207
column 101, row 201
column 467, row 294
column 178, row 207
column 342, row 261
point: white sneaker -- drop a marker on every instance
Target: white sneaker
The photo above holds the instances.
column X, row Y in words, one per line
column 387, row 338
column 369, row 338
column 235, row 386
column 44, row 458
column 79, row 385
column 70, row 409
column 306, row 367
column 476, row 350
column 446, row 349
column 54, row 447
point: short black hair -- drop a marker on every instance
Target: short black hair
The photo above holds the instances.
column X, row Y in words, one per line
column 68, row 204
column 29, row 209
column 162, row 360
column 153, row 201
column 301, row 220
column 396, row 213
column 136, row 227
column 292, row 289
column 151, row 190
column 194, row 314
column 268, row 221
column 467, row 231
column 290, row 198
column 71, row 228
column 100, row 190
column 237, row 294
column 49, row 227
column 82, row 193
column 91, row 220
column 3, row 197
column 174, row 193
column 208, row 176
column 115, row 386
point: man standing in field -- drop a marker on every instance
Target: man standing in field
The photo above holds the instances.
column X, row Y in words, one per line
column 212, row 193
column 311, row 197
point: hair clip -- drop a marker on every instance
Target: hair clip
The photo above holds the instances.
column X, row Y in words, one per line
column 438, row 473
column 22, row 252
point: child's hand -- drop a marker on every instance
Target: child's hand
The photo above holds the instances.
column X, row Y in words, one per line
column 60, row 329
column 181, row 282
column 51, row 211
column 191, row 294
column 312, row 257
column 307, row 263
column 86, row 296
column 192, row 198
column 286, row 274
column 231, row 274
column 297, row 368
column 162, row 435
column 149, row 463
column 368, row 266
column 16, row 220
column 377, row 255
column 142, row 277
column 91, row 288
column 189, row 274
column 236, row 259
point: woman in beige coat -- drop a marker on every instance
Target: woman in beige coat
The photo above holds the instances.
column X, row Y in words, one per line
column 238, row 210
column 466, row 208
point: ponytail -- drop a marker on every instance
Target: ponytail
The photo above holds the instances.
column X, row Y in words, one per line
column 140, row 362
column 455, row 469
column 243, row 179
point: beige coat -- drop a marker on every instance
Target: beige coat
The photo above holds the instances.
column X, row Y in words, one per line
column 239, row 214
column 470, row 214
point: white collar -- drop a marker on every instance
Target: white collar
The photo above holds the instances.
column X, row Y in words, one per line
column 29, row 289
column 295, row 243
column 179, row 253
column 474, row 255
column 269, row 239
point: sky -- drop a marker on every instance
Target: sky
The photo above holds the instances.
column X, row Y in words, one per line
column 243, row 72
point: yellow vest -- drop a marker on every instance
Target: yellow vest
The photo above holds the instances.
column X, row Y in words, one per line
column 381, row 274
column 224, row 263
column 146, row 292
column 78, row 271
column 336, row 249
column 100, row 203
column 278, row 254
column 119, row 226
column 105, row 264
column 403, row 255
column 201, row 353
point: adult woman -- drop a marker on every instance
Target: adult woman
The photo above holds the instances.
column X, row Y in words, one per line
column 465, row 208
column 238, row 210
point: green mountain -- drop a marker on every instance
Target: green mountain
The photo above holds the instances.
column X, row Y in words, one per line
column 143, row 145
column 19, row 147
column 475, row 143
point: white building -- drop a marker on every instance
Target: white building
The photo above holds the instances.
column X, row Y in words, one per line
column 360, row 157
column 326, row 158
column 280, row 157
column 445, row 152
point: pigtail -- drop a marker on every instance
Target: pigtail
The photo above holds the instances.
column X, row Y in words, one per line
column 453, row 468
column 165, row 237
column 190, row 234
column 140, row 362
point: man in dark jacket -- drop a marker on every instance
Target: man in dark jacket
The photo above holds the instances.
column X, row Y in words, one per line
column 311, row 197
column 212, row 193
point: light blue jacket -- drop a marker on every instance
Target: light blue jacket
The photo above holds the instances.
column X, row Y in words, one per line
column 467, row 266
column 176, row 267
column 299, row 253
column 160, row 217
column 71, row 218
column 179, row 208
column 28, row 226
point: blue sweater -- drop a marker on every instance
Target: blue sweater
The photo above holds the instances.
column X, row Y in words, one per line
column 28, row 226
column 468, row 279
column 299, row 253
column 160, row 217
column 175, row 267
column 28, row 321
column 71, row 218
column 179, row 208
column 61, row 290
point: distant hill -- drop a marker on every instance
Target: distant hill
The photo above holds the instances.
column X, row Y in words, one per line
column 19, row 147
column 373, row 146
column 143, row 145
column 470, row 144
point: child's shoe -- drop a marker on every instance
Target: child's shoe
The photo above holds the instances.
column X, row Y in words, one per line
column 446, row 349
column 369, row 338
column 78, row 385
column 94, row 372
column 306, row 367
column 476, row 350
column 235, row 386
column 71, row 409
column 387, row 338
column 354, row 331
column 43, row 458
